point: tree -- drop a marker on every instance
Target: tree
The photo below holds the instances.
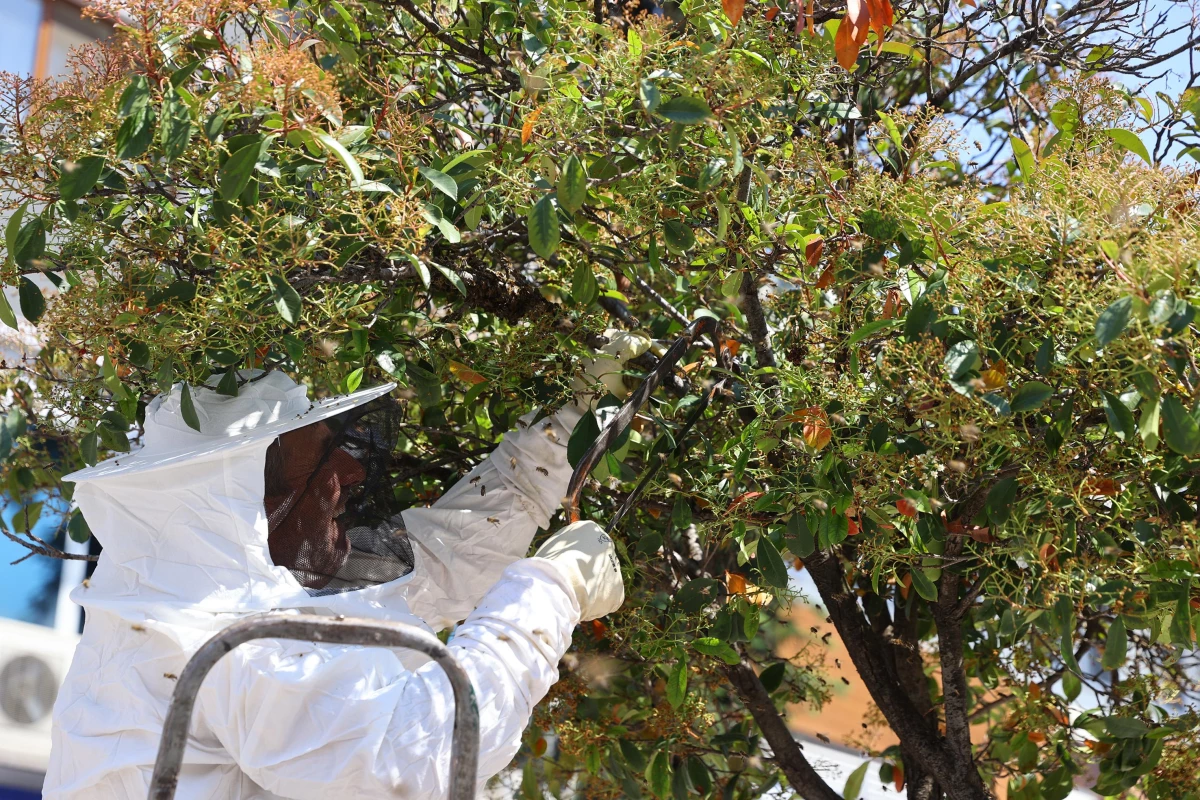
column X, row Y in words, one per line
column 963, row 398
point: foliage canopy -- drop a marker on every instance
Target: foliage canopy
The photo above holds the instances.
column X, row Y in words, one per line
column 963, row 398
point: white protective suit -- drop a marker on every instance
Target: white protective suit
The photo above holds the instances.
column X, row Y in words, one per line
column 185, row 555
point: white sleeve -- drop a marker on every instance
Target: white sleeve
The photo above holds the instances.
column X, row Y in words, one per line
column 313, row 721
column 488, row 519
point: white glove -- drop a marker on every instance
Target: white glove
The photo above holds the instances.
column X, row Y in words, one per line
column 585, row 555
column 606, row 368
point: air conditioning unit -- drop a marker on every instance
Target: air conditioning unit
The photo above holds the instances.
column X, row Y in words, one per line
column 33, row 663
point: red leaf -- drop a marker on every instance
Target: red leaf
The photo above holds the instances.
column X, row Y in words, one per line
column 772, row 13
column 905, row 507
column 825, row 279
column 813, row 251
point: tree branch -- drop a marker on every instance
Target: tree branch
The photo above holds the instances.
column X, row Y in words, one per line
column 800, row 774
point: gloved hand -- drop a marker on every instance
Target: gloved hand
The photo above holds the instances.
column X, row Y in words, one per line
column 585, row 554
column 606, row 368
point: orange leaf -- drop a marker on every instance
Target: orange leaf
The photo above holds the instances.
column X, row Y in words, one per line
column 466, row 374
column 825, row 278
column 859, row 14
column 734, row 583
column 527, row 128
column 772, row 13
column 905, row 507
column 744, row 497
column 898, row 777
column 1099, row 748
column 1035, row 690
column 797, row 564
column 995, row 376
column 816, row 432
column 1100, row 487
column 598, row 629
column 981, row 535
column 891, row 307
column 1037, row 737
column 1049, row 554
column 1059, row 716
column 689, row 367
column 851, row 526
column 843, row 45
column 539, row 747
column 733, row 345
column 812, row 18
column 733, row 10
column 970, row 3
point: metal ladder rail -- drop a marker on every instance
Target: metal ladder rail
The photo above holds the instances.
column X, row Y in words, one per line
column 464, row 747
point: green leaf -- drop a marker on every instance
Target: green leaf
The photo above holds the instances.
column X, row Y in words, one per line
column 134, row 135
column 854, row 783
column 658, row 773
column 1113, row 320
column 542, row 224
column 961, row 358
column 136, row 97
column 78, row 528
column 634, row 757
column 1148, row 424
column 1120, row 418
column 696, row 593
column 188, row 409
column 30, row 244
column 1180, row 431
column 440, row 181
column 772, row 677
column 1023, row 155
column 1115, row 645
column 336, row 148
column 78, row 177
column 1126, row 727
column 455, row 279
column 677, row 683
column 917, row 321
column 900, row 48
column 1128, row 140
column 286, row 299
column 798, row 537
column 234, row 175
column 354, row 380
column 678, row 236
column 7, row 316
column 228, row 385
column 33, row 304
column 13, row 229
column 1000, row 501
column 572, row 184
column 583, row 283
column 685, row 110
column 712, row 646
column 176, row 129
column 585, row 432
column 770, row 564
column 1071, row 686
column 871, row 328
column 923, row 585
column 1031, row 395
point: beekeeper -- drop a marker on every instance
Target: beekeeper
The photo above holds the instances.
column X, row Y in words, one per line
column 282, row 504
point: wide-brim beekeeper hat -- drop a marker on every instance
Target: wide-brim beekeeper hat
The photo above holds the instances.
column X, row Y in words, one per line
column 266, row 406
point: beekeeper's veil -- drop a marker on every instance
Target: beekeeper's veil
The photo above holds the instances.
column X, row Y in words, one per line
column 276, row 502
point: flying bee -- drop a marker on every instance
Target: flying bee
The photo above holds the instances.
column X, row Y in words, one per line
column 482, row 491
column 493, row 520
column 544, row 471
column 475, row 480
column 512, row 462
column 522, row 423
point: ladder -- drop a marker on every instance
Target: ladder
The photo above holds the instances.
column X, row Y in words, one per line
column 464, row 745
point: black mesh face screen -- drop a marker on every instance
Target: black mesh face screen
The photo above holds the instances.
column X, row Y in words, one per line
column 331, row 513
